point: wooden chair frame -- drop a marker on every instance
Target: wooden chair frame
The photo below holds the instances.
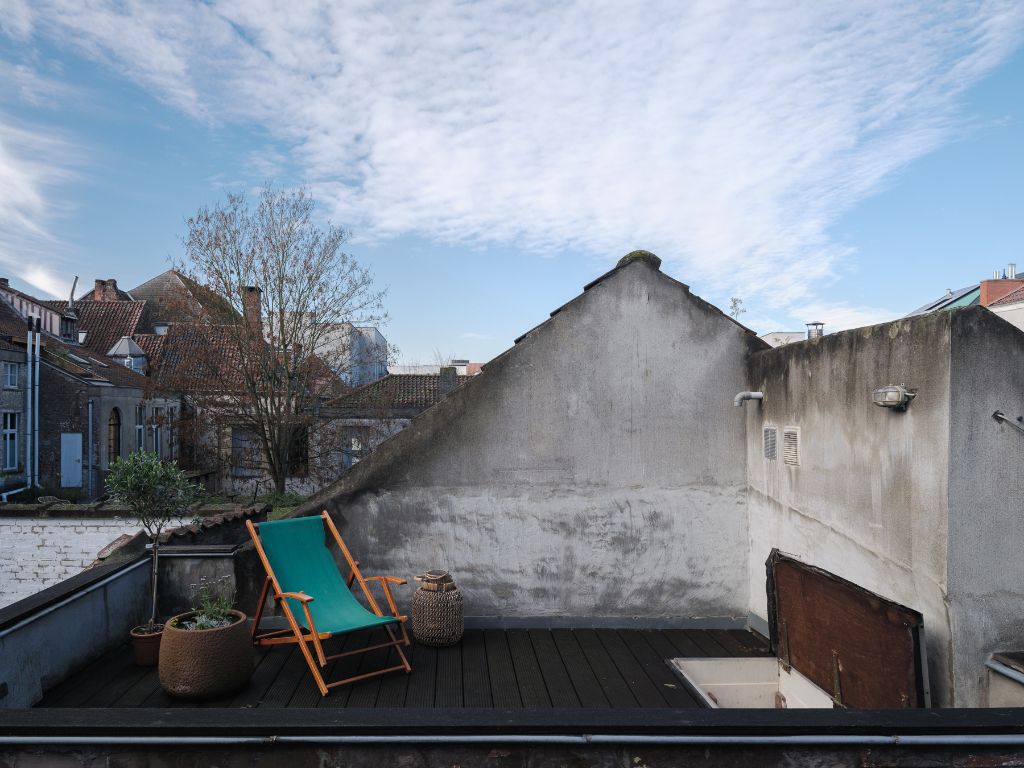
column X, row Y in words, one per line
column 304, row 639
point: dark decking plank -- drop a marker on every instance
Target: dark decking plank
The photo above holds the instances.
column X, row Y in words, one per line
column 118, row 687
column 584, row 680
column 476, row 679
column 657, row 669
column 364, row 693
column 556, row 678
column 703, row 639
column 504, row 686
column 336, row 669
column 423, row 680
column 74, row 690
column 612, row 682
column 752, row 641
column 532, row 689
column 393, row 687
column 449, row 691
column 731, row 643
column 644, row 691
column 269, row 667
column 140, row 690
column 683, row 644
column 294, row 672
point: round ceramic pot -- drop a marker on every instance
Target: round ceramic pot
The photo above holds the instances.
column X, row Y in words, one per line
column 146, row 645
column 205, row 663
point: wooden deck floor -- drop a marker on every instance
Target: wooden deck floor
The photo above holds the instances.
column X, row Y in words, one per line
column 526, row 668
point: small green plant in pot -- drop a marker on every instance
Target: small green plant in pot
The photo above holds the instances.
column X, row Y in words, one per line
column 207, row 652
column 157, row 493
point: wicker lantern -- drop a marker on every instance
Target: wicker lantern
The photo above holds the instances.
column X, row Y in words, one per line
column 437, row 617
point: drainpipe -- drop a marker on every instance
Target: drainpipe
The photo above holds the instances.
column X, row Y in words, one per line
column 738, row 400
column 28, row 406
column 89, row 444
column 35, row 410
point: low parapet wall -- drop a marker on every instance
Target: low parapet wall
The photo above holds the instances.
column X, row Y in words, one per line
column 43, row 544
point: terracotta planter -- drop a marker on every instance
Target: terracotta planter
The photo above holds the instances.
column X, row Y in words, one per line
column 205, row 663
column 146, row 645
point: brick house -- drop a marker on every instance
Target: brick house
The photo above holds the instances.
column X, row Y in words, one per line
column 91, row 408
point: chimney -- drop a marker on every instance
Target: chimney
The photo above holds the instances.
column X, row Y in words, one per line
column 4, row 282
column 994, row 290
column 251, row 308
column 815, row 330
column 449, row 381
column 1011, row 271
column 105, row 290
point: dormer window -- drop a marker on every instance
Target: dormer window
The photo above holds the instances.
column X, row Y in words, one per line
column 69, row 328
column 129, row 354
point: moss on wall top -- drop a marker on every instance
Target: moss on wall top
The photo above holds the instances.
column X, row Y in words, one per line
column 647, row 256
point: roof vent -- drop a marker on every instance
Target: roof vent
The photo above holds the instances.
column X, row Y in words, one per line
column 815, row 330
column 791, row 446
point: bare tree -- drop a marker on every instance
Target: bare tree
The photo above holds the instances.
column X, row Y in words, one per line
column 275, row 334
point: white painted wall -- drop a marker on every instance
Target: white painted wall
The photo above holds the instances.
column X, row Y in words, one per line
column 36, row 553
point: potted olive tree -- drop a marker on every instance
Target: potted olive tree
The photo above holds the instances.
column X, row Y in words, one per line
column 207, row 652
column 157, row 493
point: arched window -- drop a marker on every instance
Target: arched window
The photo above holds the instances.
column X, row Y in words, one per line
column 113, row 436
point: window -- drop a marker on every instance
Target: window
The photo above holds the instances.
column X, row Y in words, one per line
column 113, row 436
column 771, row 435
column 10, row 440
column 10, row 375
column 140, row 428
column 791, row 446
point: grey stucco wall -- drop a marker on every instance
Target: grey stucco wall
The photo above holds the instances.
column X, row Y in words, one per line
column 986, row 496
column 868, row 500
column 595, row 469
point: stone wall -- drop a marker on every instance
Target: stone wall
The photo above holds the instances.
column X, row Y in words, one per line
column 596, row 469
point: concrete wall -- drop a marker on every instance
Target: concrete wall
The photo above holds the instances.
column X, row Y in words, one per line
column 595, row 469
column 1011, row 313
column 986, row 497
column 47, row 646
column 868, row 500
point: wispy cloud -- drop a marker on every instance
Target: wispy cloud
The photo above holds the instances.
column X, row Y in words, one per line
column 27, row 246
column 727, row 137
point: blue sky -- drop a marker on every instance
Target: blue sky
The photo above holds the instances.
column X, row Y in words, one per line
column 821, row 162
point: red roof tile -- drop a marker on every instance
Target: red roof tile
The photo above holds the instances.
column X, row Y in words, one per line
column 105, row 322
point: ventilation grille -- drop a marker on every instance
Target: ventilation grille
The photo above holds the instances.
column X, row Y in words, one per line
column 771, row 435
column 791, row 445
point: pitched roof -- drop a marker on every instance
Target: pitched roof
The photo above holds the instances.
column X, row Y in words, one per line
column 105, row 322
column 1014, row 297
column 174, row 297
column 73, row 360
column 399, row 391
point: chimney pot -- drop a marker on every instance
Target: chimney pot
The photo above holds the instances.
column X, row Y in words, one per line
column 1011, row 271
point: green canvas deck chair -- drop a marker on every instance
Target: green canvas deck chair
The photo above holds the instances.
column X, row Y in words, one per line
column 316, row 599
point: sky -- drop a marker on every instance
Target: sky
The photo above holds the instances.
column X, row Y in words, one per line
column 823, row 161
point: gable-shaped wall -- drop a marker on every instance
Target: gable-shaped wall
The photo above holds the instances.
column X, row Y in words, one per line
column 595, row 469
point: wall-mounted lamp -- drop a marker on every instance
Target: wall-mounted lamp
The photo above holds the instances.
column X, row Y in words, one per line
column 894, row 396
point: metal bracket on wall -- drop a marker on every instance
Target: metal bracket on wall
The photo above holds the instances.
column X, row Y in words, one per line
column 1002, row 417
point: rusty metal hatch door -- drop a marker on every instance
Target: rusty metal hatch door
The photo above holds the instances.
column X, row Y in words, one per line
column 865, row 650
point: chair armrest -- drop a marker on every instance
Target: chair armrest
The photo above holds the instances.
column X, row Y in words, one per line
column 388, row 579
column 297, row 596
column 384, row 581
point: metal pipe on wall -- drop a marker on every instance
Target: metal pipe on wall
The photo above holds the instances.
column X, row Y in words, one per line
column 89, row 447
column 28, row 406
column 35, row 410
